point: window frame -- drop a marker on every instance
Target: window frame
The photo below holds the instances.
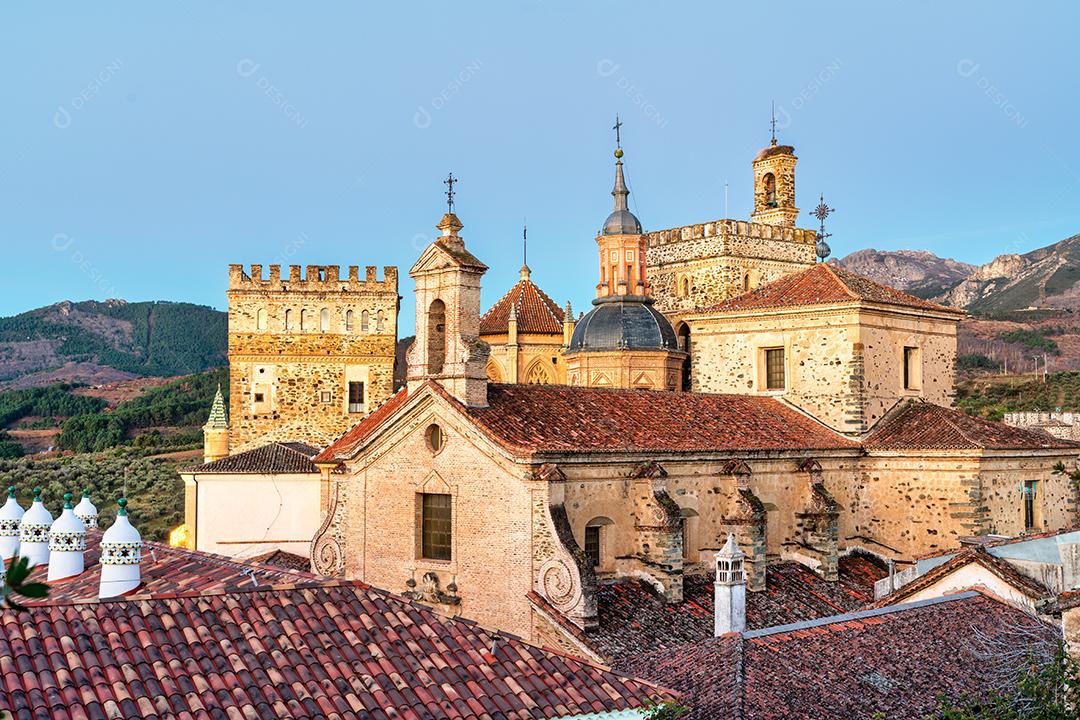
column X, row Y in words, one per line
column 351, row 406
column 911, row 362
column 766, row 377
column 430, row 527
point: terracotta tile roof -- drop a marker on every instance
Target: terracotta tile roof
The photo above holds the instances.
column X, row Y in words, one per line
column 332, row 649
column 824, row 284
column 920, row 425
column 554, row 418
column 283, row 559
column 536, row 312
column 1069, row 600
column 633, row 618
column 895, row 662
column 276, row 457
column 364, row 428
column 1001, row 568
column 167, row 571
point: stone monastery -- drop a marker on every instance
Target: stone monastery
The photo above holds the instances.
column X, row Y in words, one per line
column 536, row 469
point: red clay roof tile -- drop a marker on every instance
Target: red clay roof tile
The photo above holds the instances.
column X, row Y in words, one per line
column 536, row 312
column 824, row 284
column 919, row 425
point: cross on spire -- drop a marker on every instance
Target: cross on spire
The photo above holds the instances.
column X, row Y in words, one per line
column 449, row 182
column 524, row 242
column 617, row 128
column 773, row 123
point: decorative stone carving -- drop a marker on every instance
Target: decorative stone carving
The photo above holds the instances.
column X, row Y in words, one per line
column 327, row 557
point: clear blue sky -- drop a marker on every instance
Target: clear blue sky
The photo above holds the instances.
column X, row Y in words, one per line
column 147, row 145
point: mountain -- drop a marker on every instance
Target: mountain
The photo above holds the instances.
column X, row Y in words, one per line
column 1044, row 279
column 101, row 342
column 918, row 272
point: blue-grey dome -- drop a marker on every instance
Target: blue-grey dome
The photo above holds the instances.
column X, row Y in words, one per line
column 623, row 322
column 622, row 222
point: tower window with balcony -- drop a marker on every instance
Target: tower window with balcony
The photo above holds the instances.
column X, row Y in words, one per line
column 356, row 397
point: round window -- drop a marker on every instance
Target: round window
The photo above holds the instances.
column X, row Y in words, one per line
column 434, row 437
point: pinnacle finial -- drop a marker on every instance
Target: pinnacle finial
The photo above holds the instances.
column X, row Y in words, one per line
column 37, row 494
column 86, row 492
column 449, row 182
column 773, row 124
column 68, row 505
column 618, row 136
column 821, row 212
column 218, row 417
column 122, row 502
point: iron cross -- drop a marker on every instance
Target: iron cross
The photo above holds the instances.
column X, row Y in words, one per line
column 823, row 211
column 449, row 182
column 773, row 123
column 617, row 128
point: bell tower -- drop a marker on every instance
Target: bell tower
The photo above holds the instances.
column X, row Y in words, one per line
column 774, row 184
column 448, row 348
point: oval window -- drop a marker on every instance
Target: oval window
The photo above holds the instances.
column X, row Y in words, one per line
column 435, row 439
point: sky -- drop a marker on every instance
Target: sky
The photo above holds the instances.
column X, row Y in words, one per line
column 145, row 146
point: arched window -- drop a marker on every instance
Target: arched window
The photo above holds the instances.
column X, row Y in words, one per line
column 324, row 320
column 363, row 321
column 598, row 542
column 493, row 374
column 348, row 321
column 303, row 320
column 684, row 287
column 378, row 321
column 746, row 282
column 768, row 184
column 690, row 540
column 538, row 374
column 683, row 333
column 436, row 337
column 288, row 320
column 260, row 319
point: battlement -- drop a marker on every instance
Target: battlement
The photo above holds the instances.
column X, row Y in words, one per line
column 315, row 278
column 738, row 228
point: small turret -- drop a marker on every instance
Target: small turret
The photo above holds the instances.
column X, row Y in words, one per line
column 568, row 325
column 86, row 511
column 34, row 532
column 10, row 517
column 121, row 554
column 67, row 542
column 216, row 431
column 729, row 590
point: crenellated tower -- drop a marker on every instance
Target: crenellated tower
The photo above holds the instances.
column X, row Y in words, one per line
column 309, row 354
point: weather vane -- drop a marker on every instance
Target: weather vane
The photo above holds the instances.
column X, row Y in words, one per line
column 449, row 182
column 617, row 128
column 821, row 212
column 773, row 123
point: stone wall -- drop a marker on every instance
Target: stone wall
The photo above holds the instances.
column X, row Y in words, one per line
column 535, row 359
column 841, row 362
column 298, row 341
column 627, row 369
column 1065, row 425
column 716, row 259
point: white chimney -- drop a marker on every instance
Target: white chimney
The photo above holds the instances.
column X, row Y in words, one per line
column 86, row 511
column 121, row 553
column 10, row 518
column 34, row 532
column 67, row 541
column 729, row 590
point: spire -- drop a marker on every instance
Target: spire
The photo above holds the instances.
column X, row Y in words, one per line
column 10, row 516
column 218, row 418
column 121, row 555
column 67, row 542
column 621, row 221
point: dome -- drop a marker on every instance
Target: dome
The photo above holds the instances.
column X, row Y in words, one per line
column 622, row 222
column 11, row 510
column 86, row 511
column 122, row 532
column 623, row 322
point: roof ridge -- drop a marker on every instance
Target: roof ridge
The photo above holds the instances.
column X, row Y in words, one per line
column 956, row 427
column 858, row 615
column 836, row 276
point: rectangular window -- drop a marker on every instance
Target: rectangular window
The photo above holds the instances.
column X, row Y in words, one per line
column 435, row 533
column 325, row 396
column 774, row 369
column 258, row 397
column 1029, row 504
column 356, row 397
column 592, row 544
column 912, row 369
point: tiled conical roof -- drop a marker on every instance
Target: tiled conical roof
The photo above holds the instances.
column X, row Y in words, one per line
column 536, row 312
column 217, row 418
